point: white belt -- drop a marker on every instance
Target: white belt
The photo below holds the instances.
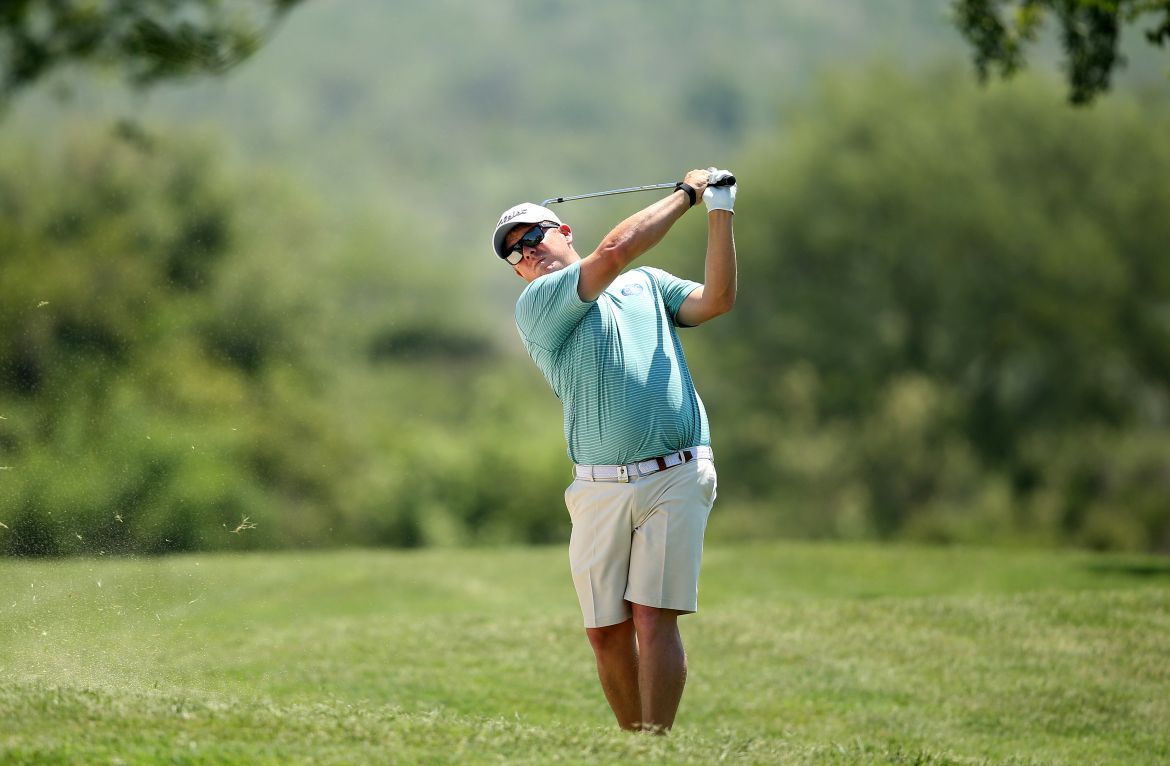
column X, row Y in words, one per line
column 623, row 473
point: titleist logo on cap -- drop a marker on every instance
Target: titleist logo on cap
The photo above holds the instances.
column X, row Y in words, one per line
column 509, row 216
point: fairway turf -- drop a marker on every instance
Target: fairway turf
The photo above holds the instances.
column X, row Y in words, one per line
column 802, row 654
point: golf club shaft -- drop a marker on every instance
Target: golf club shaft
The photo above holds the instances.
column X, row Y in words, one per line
column 728, row 181
column 650, row 187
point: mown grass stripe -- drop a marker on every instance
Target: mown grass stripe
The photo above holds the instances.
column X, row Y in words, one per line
column 801, row 654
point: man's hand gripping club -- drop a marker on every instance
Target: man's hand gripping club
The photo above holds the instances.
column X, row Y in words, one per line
column 718, row 196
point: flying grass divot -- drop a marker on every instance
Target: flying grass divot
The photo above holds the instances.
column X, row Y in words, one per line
column 244, row 525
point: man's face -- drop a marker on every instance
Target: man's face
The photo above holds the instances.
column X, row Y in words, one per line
column 554, row 252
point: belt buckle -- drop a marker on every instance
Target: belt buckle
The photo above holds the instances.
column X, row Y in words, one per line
column 623, row 474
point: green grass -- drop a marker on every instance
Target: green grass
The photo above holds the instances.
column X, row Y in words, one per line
column 802, row 654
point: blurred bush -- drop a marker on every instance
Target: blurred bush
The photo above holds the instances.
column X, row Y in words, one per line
column 955, row 318
column 190, row 360
column 150, row 379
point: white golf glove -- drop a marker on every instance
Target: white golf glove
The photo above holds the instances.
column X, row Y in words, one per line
column 719, row 197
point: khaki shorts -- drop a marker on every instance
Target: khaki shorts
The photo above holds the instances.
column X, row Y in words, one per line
column 639, row 541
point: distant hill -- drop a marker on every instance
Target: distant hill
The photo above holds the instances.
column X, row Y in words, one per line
column 452, row 110
column 364, row 94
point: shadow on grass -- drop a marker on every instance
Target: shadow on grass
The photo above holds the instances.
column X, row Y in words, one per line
column 1143, row 570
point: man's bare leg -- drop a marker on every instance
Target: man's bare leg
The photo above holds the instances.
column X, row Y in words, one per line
column 662, row 669
column 617, row 667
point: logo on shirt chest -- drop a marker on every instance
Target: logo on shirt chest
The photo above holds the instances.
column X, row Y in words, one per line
column 632, row 291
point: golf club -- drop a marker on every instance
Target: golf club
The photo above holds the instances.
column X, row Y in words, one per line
column 725, row 181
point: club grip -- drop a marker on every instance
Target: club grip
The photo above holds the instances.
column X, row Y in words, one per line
column 728, row 181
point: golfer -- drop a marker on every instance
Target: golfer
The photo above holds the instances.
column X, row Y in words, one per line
column 644, row 482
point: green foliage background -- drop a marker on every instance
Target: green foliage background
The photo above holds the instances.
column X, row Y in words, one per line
column 269, row 297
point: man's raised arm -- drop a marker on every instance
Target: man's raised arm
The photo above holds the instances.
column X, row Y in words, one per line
column 717, row 293
column 634, row 236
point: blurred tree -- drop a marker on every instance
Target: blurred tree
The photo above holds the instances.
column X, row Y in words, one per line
column 154, row 382
column 181, row 348
column 999, row 30
column 951, row 294
column 147, row 40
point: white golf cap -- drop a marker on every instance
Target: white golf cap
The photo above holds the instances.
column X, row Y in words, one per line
column 525, row 212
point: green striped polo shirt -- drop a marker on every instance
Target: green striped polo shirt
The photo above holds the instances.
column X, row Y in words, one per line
column 615, row 363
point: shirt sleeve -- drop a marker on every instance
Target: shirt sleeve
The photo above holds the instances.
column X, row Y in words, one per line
column 673, row 289
column 549, row 308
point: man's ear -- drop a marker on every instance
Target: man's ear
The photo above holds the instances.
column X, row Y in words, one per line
column 567, row 232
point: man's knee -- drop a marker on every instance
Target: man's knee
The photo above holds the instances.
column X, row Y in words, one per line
column 650, row 620
column 611, row 637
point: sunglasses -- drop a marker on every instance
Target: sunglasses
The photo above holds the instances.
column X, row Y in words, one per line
column 531, row 238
